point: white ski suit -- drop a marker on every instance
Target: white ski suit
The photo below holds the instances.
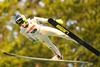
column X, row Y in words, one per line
column 36, row 31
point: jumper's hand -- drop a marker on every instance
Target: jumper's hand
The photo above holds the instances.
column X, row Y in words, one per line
column 60, row 21
column 35, row 41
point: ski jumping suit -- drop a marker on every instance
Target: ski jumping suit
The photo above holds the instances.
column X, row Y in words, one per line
column 36, row 31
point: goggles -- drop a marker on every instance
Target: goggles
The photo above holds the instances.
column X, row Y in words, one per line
column 20, row 19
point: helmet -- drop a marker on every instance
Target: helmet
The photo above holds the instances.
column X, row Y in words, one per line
column 20, row 19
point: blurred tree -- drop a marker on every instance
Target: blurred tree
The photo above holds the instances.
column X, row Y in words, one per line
column 82, row 17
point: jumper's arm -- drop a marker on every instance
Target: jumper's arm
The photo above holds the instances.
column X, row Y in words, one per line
column 45, row 20
column 29, row 36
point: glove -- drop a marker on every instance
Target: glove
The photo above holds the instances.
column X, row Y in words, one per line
column 35, row 41
column 60, row 21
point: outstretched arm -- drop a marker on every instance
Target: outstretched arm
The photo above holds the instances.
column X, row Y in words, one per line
column 45, row 20
column 41, row 20
column 33, row 39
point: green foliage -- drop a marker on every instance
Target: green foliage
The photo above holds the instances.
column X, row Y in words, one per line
column 85, row 12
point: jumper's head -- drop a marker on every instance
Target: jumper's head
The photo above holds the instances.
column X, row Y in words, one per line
column 20, row 19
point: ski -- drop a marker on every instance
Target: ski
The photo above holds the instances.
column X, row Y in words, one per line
column 43, row 59
column 73, row 36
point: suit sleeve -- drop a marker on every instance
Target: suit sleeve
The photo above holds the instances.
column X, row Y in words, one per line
column 45, row 20
column 41, row 20
column 22, row 31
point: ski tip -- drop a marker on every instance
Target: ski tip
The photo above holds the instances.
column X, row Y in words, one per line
column 50, row 19
column 99, row 54
column 5, row 53
column 8, row 54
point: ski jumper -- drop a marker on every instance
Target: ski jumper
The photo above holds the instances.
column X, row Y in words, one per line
column 35, row 31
